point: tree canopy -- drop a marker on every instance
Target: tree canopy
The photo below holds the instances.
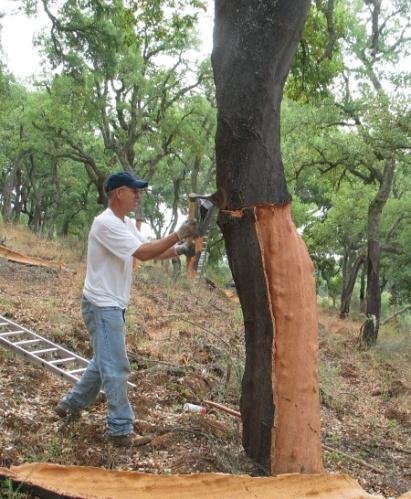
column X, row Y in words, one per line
column 124, row 88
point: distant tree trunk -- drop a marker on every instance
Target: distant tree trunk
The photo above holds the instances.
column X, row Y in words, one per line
column 254, row 45
column 9, row 182
column 195, row 173
column 363, row 301
column 176, row 263
column 7, row 194
column 344, row 267
column 176, row 202
column 349, row 287
column 18, row 201
column 66, row 226
column 369, row 330
column 35, row 213
column 35, row 223
column 98, row 178
column 53, row 209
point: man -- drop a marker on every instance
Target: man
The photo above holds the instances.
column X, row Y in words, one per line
column 112, row 244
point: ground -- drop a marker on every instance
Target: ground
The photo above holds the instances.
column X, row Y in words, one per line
column 185, row 341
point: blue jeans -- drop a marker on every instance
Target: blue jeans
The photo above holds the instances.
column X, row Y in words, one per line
column 108, row 369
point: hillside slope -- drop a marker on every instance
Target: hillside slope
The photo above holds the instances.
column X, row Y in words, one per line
column 186, row 345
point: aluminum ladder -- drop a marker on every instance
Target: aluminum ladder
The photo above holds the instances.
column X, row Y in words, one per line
column 42, row 352
column 203, row 257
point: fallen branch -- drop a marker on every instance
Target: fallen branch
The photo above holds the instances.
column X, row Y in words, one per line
column 399, row 312
column 355, row 459
column 223, row 408
column 138, row 358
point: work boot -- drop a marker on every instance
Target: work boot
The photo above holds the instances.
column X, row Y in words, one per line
column 129, row 440
column 63, row 410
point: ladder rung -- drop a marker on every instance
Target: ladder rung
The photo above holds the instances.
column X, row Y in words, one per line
column 26, row 342
column 77, row 370
column 36, row 352
column 34, row 357
column 9, row 333
column 60, row 361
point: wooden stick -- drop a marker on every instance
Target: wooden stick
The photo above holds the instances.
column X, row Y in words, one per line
column 223, row 408
column 355, row 459
column 139, row 358
column 237, row 414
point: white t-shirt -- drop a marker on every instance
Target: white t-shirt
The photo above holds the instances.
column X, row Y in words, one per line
column 111, row 244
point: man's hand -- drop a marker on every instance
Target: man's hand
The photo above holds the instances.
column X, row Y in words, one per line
column 186, row 249
column 186, row 230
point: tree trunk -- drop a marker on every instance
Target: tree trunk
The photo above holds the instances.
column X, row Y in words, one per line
column 66, row 226
column 10, row 177
column 369, row 330
column 363, row 301
column 254, row 44
column 98, row 178
column 176, row 202
column 18, row 202
column 36, row 217
column 349, row 288
column 7, row 194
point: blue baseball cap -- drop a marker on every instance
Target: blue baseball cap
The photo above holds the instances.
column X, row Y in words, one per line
column 121, row 179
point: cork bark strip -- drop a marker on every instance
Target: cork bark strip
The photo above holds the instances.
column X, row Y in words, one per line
column 295, row 437
column 54, row 480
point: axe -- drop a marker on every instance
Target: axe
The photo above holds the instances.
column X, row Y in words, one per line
column 218, row 200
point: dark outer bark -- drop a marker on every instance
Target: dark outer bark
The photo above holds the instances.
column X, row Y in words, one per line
column 344, row 271
column 18, row 203
column 139, row 211
column 257, row 407
column 369, row 332
column 349, row 288
column 363, row 302
column 254, row 45
column 98, row 178
column 7, row 195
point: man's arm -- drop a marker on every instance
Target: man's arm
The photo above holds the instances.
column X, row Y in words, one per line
column 160, row 249
column 164, row 248
column 170, row 253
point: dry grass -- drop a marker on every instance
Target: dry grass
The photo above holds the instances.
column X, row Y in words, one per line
column 19, row 238
column 187, row 343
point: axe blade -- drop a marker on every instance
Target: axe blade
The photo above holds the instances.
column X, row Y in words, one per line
column 218, row 198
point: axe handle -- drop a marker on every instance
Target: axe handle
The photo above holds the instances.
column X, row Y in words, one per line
column 192, row 212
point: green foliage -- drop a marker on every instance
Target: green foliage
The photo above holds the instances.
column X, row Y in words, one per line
column 126, row 94
column 318, row 59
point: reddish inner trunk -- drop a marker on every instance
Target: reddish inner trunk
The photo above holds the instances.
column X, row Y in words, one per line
column 295, row 438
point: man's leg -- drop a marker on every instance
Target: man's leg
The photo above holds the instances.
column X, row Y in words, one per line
column 114, row 368
column 88, row 387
